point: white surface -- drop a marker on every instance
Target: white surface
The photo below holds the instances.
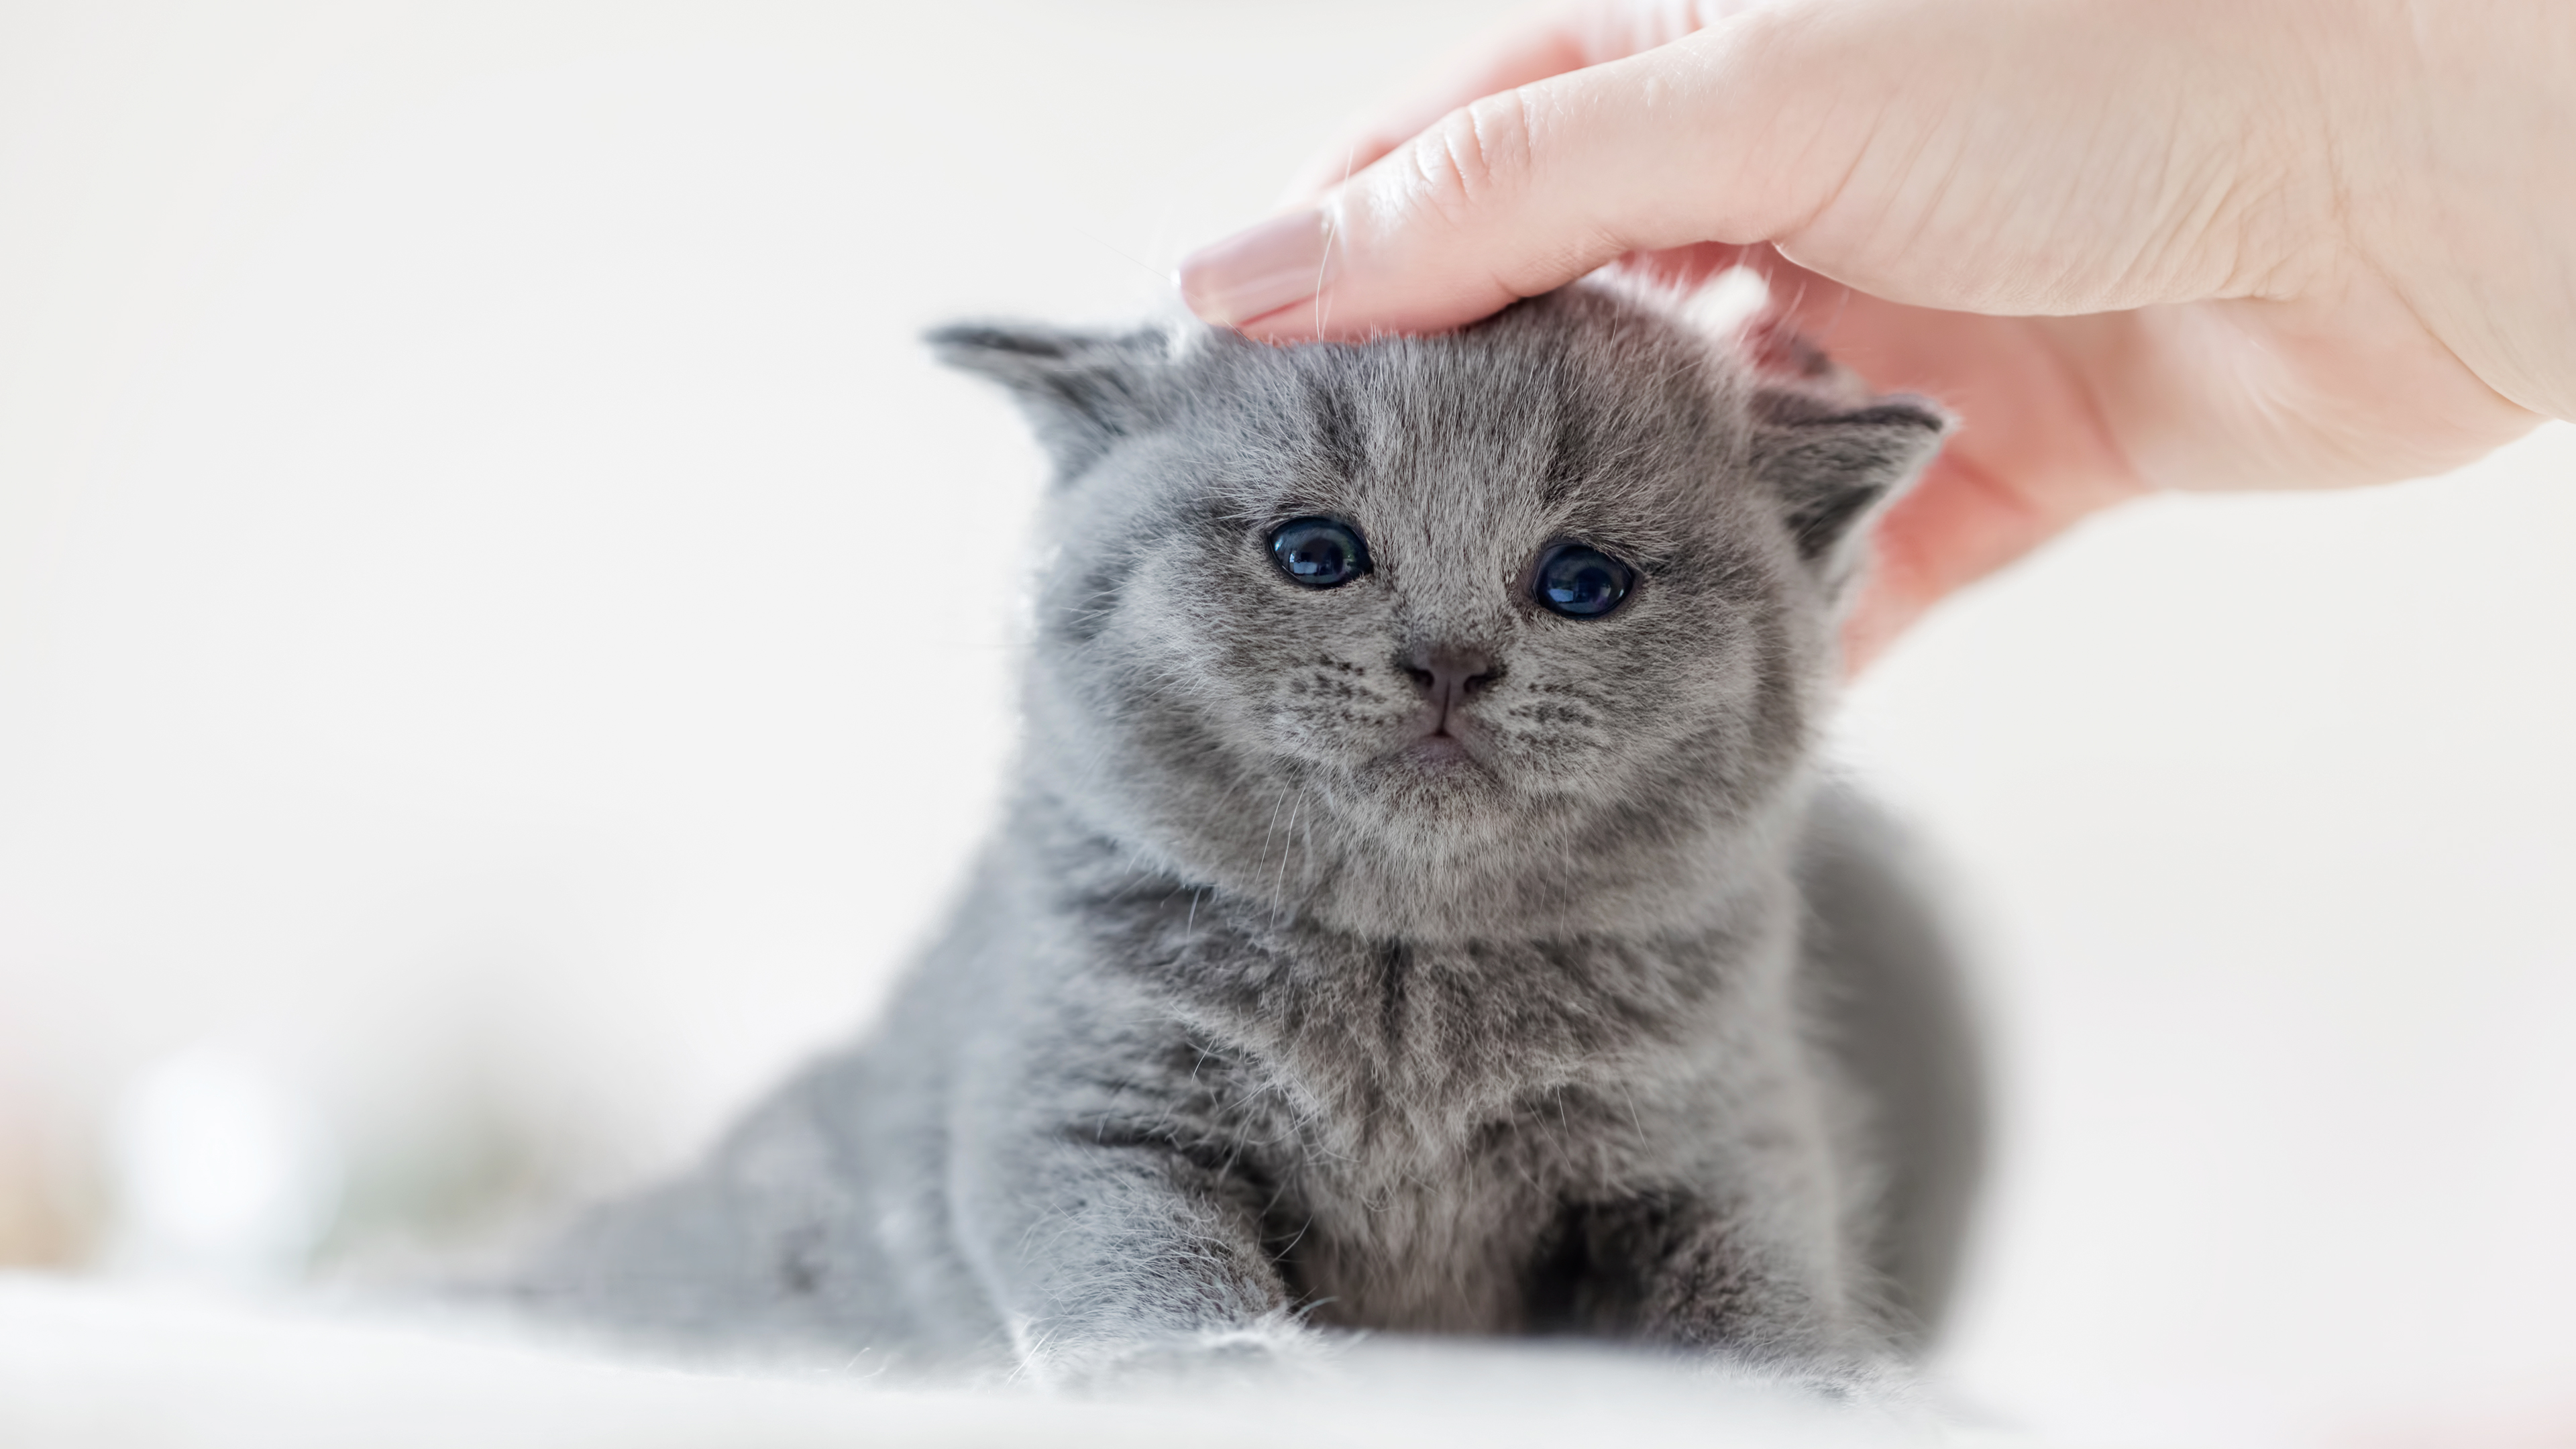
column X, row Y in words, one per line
column 499, row 622
column 86, row 1368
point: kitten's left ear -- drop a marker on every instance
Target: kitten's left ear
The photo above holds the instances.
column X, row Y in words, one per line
column 1081, row 391
column 1834, row 467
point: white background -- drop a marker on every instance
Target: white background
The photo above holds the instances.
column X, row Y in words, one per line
column 503, row 632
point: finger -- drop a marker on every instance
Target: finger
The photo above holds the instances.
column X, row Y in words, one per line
column 1543, row 45
column 1726, row 135
column 1546, row 42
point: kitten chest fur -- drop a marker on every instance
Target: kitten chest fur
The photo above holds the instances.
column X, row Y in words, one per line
column 1427, row 1120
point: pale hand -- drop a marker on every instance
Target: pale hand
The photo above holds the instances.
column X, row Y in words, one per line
column 2135, row 244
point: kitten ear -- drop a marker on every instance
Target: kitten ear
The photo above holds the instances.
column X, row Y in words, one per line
column 1081, row 391
column 1835, row 466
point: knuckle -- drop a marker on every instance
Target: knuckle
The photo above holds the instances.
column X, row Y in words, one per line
column 1476, row 156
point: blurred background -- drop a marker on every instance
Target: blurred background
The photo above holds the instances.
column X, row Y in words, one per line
column 505, row 643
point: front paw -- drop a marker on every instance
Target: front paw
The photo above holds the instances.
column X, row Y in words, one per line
column 1112, row 1363
column 1859, row 1381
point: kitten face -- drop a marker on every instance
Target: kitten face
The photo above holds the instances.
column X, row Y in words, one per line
column 1437, row 634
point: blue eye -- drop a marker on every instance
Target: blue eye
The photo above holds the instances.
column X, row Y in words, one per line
column 1581, row 583
column 1319, row 553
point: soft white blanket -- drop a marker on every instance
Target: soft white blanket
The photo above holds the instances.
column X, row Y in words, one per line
column 86, row 1365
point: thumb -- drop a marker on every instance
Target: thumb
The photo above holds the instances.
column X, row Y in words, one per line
column 1726, row 135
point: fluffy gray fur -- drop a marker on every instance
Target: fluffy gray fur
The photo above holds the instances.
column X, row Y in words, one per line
column 1261, row 1015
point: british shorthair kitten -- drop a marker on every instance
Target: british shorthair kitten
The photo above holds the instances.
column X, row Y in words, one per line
column 1417, row 909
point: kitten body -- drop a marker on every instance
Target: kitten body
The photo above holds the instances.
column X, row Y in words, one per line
column 1400, row 954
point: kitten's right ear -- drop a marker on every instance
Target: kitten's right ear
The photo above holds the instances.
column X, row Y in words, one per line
column 1081, row 391
column 1834, row 455
column 1835, row 470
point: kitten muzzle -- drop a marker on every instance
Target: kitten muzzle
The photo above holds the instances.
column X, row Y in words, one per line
column 1447, row 674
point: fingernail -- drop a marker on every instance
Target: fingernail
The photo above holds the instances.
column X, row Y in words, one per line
column 1260, row 270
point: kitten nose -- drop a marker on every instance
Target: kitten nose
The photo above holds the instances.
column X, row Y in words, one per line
column 1448, row 673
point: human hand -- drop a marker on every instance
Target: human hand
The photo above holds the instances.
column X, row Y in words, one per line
column 2135, row 244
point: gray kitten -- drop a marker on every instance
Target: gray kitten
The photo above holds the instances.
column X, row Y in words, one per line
column 1416, row 910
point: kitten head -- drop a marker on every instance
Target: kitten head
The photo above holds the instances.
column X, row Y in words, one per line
column 1516, row 630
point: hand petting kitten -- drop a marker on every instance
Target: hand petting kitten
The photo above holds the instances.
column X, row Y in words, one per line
column 2133, row 244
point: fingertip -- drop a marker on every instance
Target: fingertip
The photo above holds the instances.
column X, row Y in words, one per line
column 1260, row 270
column 1363, row 304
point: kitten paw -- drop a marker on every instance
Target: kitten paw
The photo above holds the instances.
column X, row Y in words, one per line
column 1261, row 1351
